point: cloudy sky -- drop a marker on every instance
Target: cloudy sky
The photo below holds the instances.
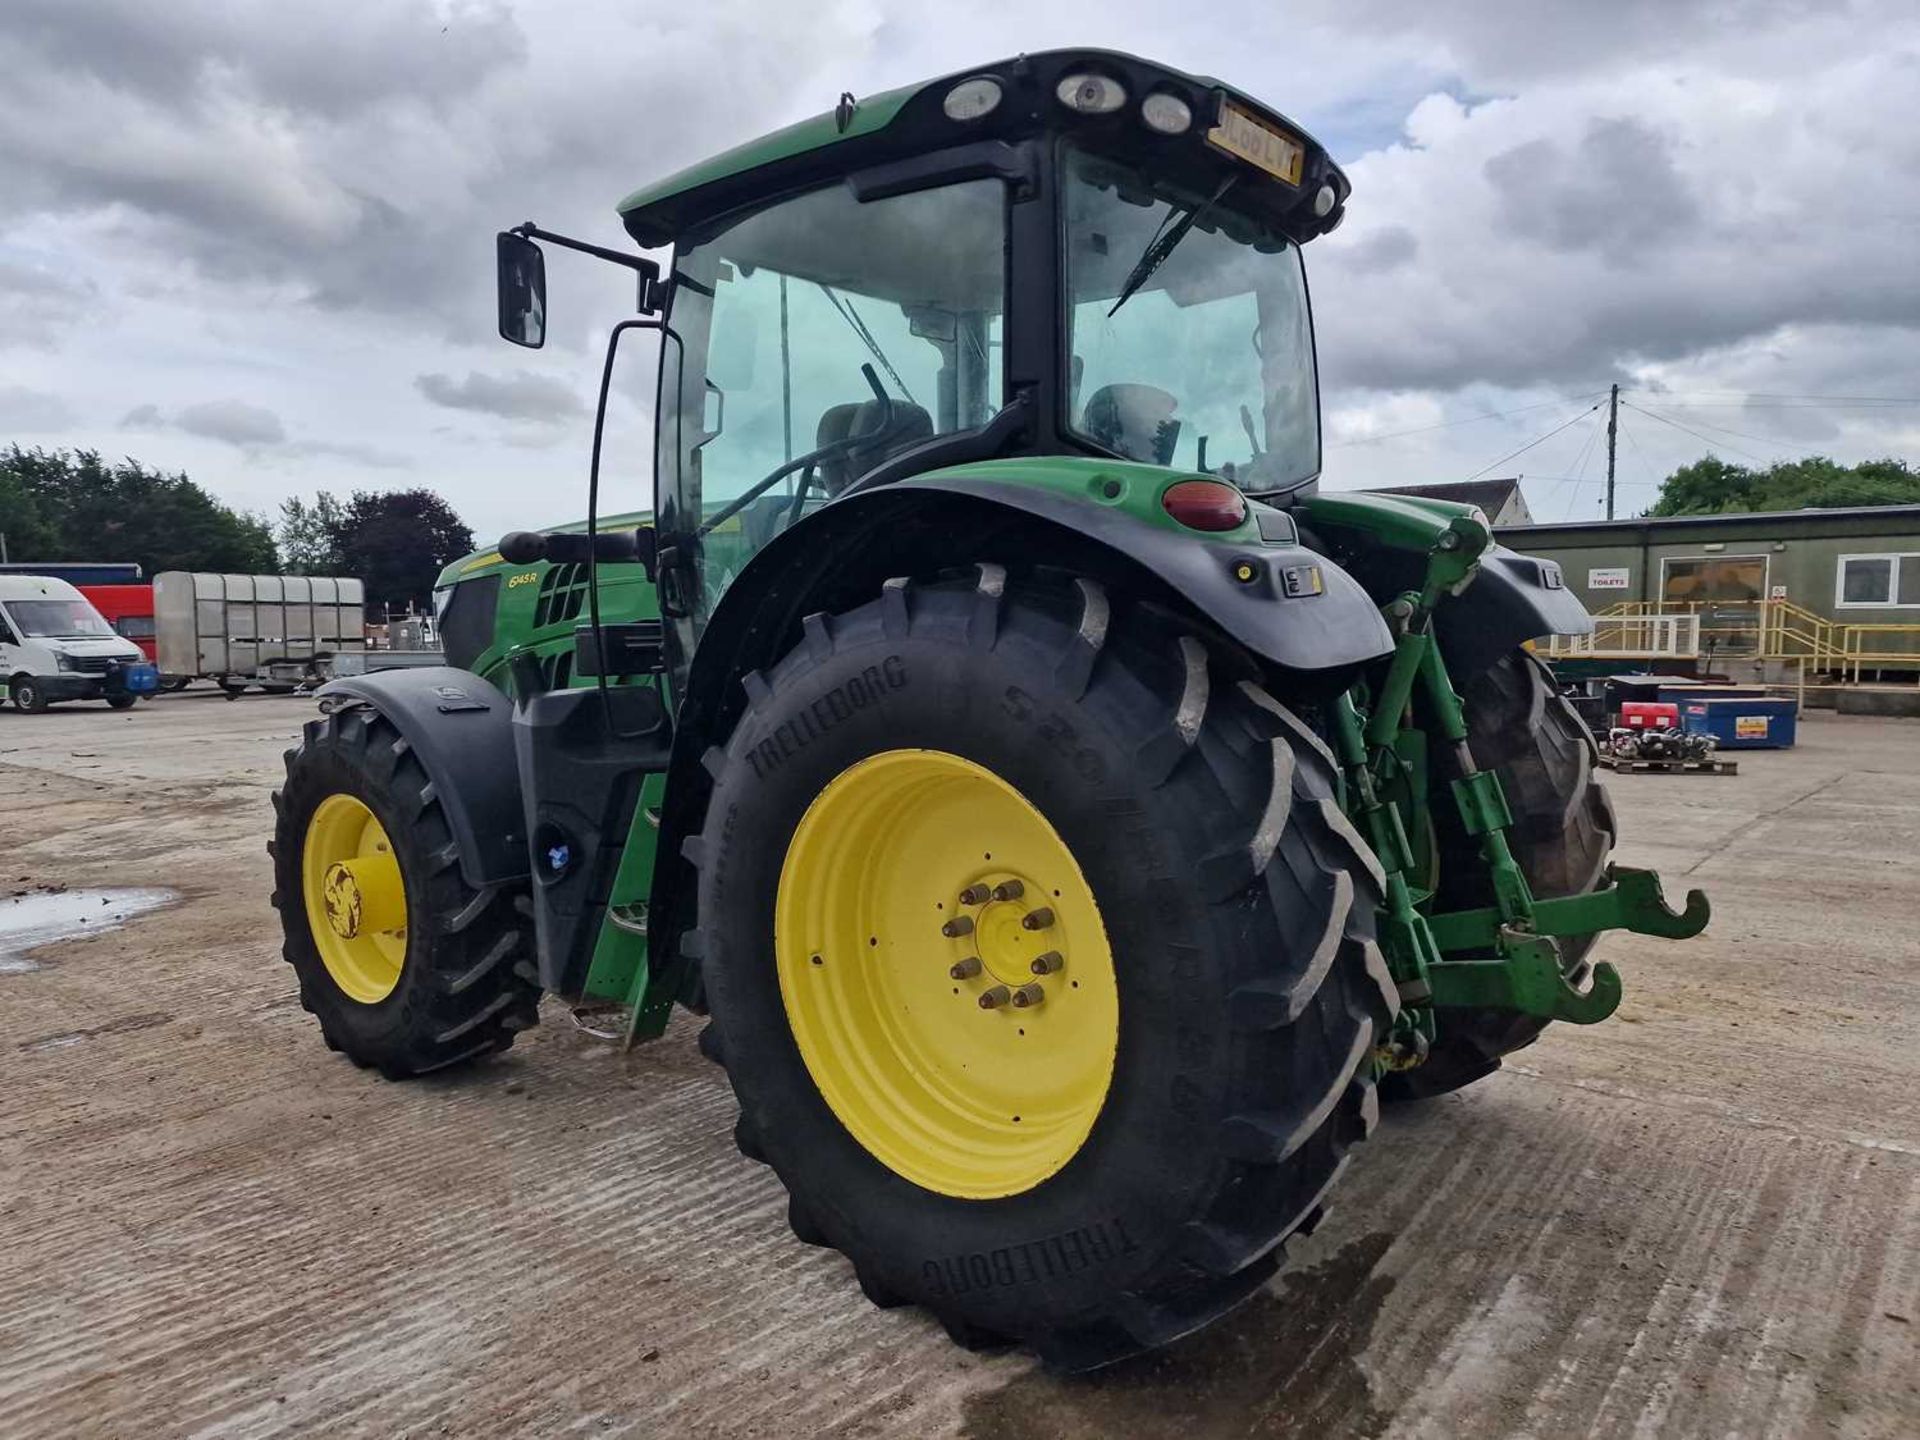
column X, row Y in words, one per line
column 254, row 240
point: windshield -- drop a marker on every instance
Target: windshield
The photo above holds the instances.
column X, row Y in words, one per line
column 58, row 620
column 1192, row 341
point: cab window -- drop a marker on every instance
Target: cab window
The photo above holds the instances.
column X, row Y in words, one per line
column 823, row 336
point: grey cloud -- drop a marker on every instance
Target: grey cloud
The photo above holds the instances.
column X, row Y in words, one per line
column 327, row 59
column 143, row 417
column 37, row 304
column 360, row 155
column 520, row 396
column 233, row 421
column 32, row 411
column 368, row 455
column 1509, row 41
column 1617, row 191
column 1387, row 248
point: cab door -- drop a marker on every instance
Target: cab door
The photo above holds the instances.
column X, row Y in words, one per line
column 820, row 337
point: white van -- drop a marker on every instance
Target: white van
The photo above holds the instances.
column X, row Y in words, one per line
column 55, row 646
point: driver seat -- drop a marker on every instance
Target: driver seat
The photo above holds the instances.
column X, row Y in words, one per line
column 910, row 424
column 1133, row 420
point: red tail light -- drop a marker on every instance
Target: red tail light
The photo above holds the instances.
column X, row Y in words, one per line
column 1205, row 505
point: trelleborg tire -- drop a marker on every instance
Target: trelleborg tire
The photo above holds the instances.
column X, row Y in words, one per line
column 422, row 971
column 1522, row 729
column 1200, row 1062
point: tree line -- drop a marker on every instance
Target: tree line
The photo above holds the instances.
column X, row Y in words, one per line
column 72, row 505
column 1714, row 487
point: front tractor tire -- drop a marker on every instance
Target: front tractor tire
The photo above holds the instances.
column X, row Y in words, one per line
column 407, row 967
column 1041, row 960
column 1521, row 728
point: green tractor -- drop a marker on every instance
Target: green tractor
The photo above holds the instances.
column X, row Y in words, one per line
column 1070, row 821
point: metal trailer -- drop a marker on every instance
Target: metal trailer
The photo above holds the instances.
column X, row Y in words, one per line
column 280, row 632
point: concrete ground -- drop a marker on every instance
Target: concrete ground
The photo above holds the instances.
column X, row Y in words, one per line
column 1702, row 1218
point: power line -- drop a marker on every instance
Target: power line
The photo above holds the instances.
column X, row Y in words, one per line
column 1645, row 464
column 1704, row 439
column 1580, row 467
column 1450, row 424
column 1745, row 396
column 1738, row 434
column 1531, row 443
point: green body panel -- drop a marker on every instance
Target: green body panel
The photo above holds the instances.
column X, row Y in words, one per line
column 535, row 616
column 1124, row 485
column 871, row 114
column 526, row 618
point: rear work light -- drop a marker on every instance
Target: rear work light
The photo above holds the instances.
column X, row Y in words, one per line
column 972, row 99
column 1091, row 94
column 1205, row 505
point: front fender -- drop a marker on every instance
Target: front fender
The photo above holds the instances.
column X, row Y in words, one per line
column 460, row 728
column 1512, row 598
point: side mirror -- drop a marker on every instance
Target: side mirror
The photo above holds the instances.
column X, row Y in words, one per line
column 523, row 290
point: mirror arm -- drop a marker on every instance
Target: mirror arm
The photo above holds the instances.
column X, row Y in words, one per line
column 649, row 270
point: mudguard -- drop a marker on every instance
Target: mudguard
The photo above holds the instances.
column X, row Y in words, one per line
column 1514, row 598
column 460, row 728
column 840, row 555
column 1298, row 610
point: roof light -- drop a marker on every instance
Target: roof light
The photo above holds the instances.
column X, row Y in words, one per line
column 972, row 99
column 1091, row 94
column 1205, row 504
column 1168, row 114
column 1323, row 199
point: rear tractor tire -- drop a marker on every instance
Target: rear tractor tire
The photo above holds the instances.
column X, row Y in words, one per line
column 407, row 967
column 1523, row 729
column 1041, row 960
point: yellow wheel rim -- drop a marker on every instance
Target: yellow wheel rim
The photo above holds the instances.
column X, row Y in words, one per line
column 920, row 893
column 355, row 899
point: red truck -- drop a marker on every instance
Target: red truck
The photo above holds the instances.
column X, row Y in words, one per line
column 129, row 609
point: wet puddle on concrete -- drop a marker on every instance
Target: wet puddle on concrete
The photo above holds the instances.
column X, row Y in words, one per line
column 29, row 921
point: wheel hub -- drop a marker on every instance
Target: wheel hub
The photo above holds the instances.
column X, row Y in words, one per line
column 1007, row 947
column 343, row 901
column 946, row 973
column 356, row 900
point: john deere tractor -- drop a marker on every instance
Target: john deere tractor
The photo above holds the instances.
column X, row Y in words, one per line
column 1068, row 819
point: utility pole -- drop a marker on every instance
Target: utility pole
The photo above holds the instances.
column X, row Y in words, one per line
column 1613, row 436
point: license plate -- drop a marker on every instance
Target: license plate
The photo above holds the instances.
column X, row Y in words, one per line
column 1258, row 143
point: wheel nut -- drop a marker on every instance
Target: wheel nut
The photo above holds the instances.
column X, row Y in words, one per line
column 1009, row 890
column 1046, row 964
column 965, row 969
column 956, row 927
column 1037, row 919
column 994, row 998
column 975, row 895
column 1028, row 995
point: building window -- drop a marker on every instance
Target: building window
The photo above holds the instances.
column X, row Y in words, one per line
column 1878, row 582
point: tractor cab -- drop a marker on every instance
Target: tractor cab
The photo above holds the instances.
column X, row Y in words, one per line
column 1069, row 254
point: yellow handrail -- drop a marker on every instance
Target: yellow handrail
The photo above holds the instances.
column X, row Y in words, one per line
column 1777, row 630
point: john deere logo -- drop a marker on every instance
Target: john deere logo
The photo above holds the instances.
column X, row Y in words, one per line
column 342, row 895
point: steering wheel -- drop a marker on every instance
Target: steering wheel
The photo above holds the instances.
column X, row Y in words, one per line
column 807, row 462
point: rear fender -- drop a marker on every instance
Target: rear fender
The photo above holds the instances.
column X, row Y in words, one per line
column 839, row 556
column 460, row 728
